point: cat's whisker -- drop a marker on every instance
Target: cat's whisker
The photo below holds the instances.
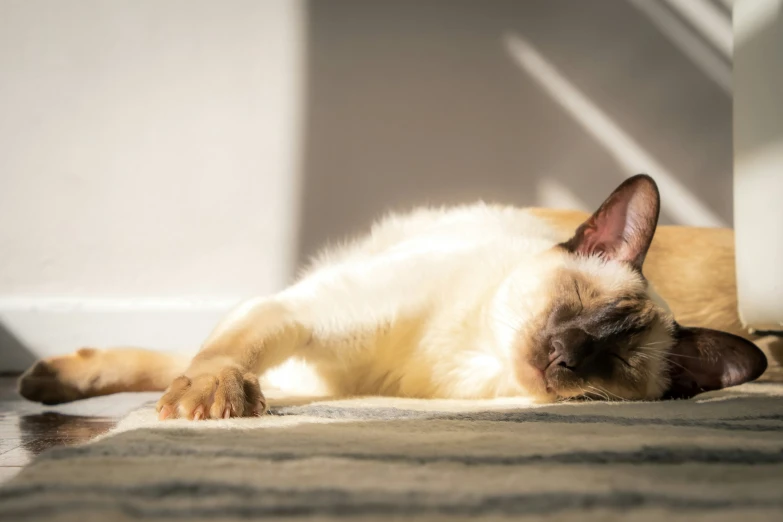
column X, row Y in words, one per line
column 599, row 392
column 655, row 343
column 585, row 394
column 606, row 393
column 669, row 361
column 666, row 354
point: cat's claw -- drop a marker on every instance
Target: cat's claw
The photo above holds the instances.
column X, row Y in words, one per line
column 164, row 413
column 222, row 394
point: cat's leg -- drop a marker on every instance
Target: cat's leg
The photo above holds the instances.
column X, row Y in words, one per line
column 318, row 319
column 222, row 379
column 92, row 372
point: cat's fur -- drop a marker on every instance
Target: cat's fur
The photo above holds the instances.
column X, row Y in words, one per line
column 470, row 302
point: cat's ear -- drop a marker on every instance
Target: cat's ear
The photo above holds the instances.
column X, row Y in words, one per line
column 623, row 227
column 703, row 360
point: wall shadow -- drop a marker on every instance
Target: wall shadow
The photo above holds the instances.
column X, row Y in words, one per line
column 765, row 118
column 15, row 355
column 412, row 102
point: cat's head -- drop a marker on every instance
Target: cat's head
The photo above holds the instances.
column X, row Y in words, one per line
column 604, row 332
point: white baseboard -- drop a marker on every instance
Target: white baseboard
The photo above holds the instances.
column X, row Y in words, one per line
column 34, row 327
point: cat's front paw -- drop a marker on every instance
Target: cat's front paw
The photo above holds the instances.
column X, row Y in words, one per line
column 222, row 394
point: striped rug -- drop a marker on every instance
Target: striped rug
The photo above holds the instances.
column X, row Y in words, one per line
column 717, row 457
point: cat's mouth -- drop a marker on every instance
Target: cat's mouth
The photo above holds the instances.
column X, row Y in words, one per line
column 536, row 382
column 550, row 380
column 563, row 382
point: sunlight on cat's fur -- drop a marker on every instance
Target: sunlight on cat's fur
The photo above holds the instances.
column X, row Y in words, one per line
column 477, row 301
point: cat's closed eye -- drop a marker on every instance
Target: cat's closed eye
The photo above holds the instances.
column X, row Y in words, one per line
column 562, row 314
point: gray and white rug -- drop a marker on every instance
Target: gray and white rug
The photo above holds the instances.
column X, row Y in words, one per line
column 717, row 457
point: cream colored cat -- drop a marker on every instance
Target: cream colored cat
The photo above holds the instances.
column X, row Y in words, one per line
column 469, row 302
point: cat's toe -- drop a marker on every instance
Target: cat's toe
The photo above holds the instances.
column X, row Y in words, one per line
column 221, row 394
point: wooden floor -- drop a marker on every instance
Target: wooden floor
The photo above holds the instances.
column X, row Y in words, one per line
column 27, row 429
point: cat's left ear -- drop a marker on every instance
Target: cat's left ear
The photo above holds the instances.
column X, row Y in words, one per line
column 623, row 227
column 703, row 360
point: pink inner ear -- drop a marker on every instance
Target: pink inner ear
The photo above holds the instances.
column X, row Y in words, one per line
column 623, row 226
column 606, row 233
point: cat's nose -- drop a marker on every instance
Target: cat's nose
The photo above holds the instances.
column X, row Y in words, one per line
column 569, row 349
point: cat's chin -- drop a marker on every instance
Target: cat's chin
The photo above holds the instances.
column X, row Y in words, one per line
column 542, row 389
column 534, row 383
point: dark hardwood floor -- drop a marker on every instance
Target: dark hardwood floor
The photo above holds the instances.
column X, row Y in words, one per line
column 27, row 429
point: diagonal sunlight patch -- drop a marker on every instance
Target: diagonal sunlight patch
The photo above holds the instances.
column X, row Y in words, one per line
column 713, row 25
column 676, row 200
column 693, row 47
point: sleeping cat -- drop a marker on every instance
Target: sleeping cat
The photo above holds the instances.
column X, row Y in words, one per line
column 470, row 302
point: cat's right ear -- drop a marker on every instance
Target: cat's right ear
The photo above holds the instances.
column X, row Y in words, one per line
column 623, row 227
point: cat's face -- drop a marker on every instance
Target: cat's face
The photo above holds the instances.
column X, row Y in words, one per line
column 600, row 331
column 602, row 334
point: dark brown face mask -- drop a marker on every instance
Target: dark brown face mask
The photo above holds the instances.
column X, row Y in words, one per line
column 700, row 359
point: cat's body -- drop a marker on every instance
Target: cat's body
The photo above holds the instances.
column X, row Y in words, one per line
column 419, row 307
column 477, row 301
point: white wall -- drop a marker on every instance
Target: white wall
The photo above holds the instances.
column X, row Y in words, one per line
column 148, row 167
column 530, row 103
column 150, row 149
column 758, row 161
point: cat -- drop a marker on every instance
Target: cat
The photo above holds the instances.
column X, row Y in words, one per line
column 477, row 301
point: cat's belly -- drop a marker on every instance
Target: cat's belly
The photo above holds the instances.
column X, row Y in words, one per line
column 417, row 352
column 378, row 360
column 301, row 378
column 296, row 377
column 452, row 374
